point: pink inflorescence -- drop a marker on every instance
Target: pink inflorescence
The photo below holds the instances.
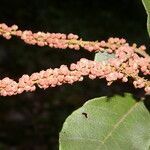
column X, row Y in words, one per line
column 129, row 61
column 58, row 40
column 76, row 72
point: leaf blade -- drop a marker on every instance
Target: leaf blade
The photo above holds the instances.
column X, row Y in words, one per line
column 103, row 56
column 85, row 133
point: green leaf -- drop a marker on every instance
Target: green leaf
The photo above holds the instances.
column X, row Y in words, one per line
column 117, row 123
column 103, row 56
column 146, row 4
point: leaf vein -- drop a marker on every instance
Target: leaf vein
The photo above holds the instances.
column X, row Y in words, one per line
column 119, row 122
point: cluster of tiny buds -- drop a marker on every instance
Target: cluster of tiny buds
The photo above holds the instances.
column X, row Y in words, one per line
column 127, row 62
column 62, row 41
column 76, row 72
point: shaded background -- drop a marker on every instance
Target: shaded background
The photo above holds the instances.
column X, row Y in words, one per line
column 32, row 121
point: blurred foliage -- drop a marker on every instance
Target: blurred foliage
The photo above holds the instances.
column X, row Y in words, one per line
column 33, row 120
column 146, row 4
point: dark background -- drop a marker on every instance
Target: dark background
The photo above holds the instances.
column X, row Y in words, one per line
column 32, row 121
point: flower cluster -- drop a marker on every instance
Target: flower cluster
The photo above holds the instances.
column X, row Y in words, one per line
column 112, row 71
column 62, row 41
column 129, row 61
